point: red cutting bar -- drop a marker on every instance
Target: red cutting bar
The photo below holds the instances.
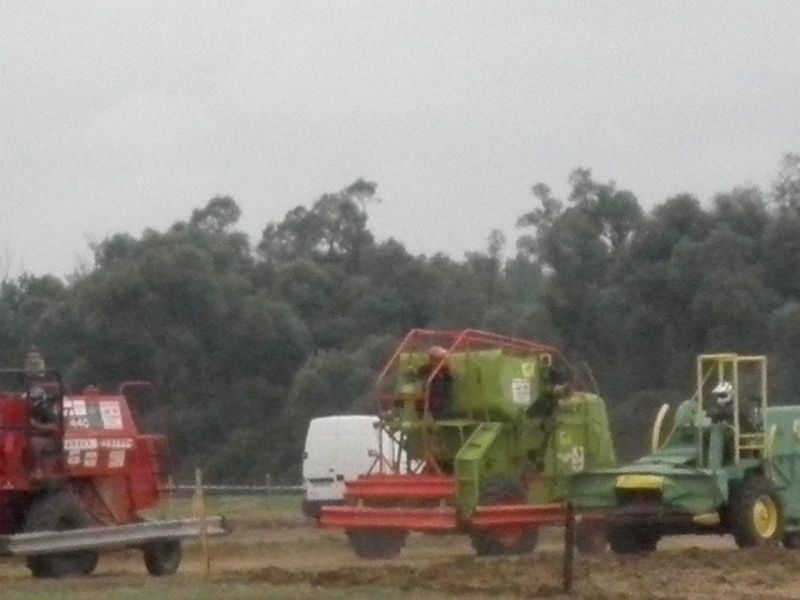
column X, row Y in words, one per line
column 432, row 520
column 401, row 487
column 519, row 514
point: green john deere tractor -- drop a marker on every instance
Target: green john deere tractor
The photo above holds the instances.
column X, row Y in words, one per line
column 728, row 466
column 486, row 432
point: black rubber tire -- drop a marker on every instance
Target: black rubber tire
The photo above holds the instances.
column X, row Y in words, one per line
column 791, row 540
column 487, row 542
column 633, row 539
column 376, row 544
column 590, row 538
column 741, row 512
column 162, row 558
column 59, row 511
column 312, row 508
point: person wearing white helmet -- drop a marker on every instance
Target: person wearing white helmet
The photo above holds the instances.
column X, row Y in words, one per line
column 722, row 410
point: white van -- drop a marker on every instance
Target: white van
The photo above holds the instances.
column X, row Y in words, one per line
column 339, row 449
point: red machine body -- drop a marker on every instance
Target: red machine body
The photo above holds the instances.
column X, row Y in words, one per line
column 98, row 453
column 76, row 472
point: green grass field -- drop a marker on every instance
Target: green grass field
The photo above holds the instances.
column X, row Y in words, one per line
column 247, row 510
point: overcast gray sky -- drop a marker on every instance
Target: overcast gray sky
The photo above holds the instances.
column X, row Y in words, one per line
column 117, row 116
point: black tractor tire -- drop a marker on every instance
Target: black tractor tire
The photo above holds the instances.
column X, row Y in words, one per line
column 590, row 538
column 633, row 539
column 489, row 542
column 162, row 558
column 755, row 513
column 59, row 511
column 376, row 544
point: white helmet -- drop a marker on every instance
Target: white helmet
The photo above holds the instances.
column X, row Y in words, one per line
column 723, row 392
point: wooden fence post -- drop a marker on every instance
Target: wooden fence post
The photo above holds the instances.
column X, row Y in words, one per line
column 569, row 548
column 200, row 513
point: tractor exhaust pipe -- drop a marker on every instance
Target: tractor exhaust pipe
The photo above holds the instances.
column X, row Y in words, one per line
column 655, row 437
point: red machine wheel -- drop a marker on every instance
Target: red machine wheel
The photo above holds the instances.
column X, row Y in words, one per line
column 162, row 558
column 507, row 540
column 374, row 544
column 59, row 511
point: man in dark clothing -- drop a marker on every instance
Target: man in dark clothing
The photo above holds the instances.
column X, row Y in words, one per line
column 440, row 388
column 554, row 387
column 42, row 411
column 44, row 423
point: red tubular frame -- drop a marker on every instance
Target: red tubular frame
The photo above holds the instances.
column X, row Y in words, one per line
column 409, row 490
column 420, row 340
column 455, row 341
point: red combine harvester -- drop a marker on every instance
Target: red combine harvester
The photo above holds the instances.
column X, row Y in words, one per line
column 75, row 476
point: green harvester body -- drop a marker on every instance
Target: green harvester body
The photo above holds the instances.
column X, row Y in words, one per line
column 492, row 432
column 506, row 436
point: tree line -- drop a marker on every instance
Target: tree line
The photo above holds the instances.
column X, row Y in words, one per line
column 246, row 342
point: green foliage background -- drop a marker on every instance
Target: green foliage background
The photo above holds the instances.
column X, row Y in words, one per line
column 247, row 342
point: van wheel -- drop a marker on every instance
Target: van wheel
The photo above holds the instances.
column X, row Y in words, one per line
column 312, row 508
column 372, row 544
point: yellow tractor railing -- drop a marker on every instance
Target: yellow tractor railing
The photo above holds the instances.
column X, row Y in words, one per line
column 730, row 367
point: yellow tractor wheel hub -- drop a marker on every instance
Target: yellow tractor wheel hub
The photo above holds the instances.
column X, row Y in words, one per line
column 765, row 517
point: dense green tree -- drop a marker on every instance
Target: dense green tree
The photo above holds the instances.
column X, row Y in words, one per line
column 246, row 344
column 786, row 187
column 781, row 249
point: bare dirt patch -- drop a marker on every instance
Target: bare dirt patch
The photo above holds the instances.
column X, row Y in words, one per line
column 691, row 568
column 306, row 562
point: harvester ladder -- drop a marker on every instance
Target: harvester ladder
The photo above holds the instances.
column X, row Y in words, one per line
column 468, row 463
column 752, row 441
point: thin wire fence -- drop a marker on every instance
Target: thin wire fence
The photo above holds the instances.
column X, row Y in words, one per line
column 185, row 490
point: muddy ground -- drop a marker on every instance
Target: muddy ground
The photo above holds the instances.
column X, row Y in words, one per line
column 290, row 558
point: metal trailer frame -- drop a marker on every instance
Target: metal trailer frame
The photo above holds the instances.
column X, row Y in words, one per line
column 108, row 538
